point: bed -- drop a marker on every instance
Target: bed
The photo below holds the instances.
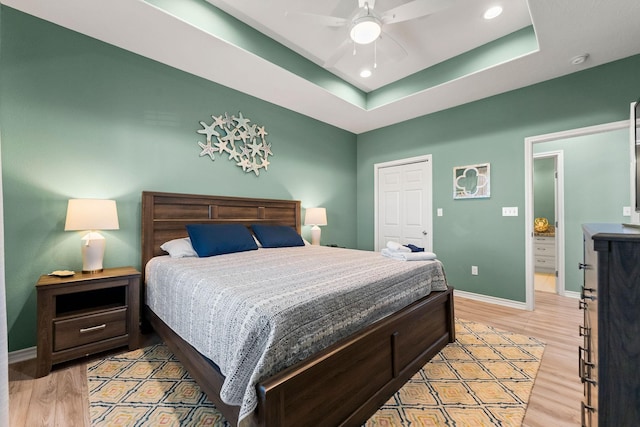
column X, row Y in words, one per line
column 342, row 384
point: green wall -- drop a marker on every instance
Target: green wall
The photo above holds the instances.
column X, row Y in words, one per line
column 473, row 232
column 81, row 118
column 596, row 188
column 543, row 189
column 84, row 119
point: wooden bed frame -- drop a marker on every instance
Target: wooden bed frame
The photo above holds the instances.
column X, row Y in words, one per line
column 342, row 385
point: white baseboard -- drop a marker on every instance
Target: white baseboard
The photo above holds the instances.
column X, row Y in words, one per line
column 490, row 300
column 572, row 294
column 22, row 355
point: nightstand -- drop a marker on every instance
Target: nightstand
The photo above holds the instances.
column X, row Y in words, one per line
column 85, row 314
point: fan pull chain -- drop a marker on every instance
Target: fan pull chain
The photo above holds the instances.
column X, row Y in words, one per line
column 375, row 54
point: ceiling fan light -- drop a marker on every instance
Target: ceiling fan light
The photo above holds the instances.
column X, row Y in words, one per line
column 493, row 12
column 365, row 30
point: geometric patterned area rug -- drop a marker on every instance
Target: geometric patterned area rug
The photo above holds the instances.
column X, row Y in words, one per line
column 482, row 379
column 147, row 387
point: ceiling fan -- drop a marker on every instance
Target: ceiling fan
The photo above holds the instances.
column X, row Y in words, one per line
column 367, row 25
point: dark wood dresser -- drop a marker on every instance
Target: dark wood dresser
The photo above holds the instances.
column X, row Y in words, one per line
column 609, row 360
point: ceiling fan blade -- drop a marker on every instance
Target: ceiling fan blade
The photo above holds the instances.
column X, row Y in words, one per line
column 390, row 48
column 338, row 53
column 414, row 9
column 329, row 21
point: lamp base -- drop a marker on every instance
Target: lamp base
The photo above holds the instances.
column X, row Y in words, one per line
column 93, row 244
column 315, row 235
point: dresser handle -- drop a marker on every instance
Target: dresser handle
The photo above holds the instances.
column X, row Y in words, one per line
column 583, row 414
column 583, row 266
column 93, row 328
column 584, row 331
column 582, row 305
column 584, row 296
column 583, row 364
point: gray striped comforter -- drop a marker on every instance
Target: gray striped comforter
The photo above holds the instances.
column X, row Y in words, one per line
column 255, row 313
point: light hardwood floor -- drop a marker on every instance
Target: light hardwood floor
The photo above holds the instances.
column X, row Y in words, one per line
column 544, row 282
column 60, row 399
column 555, row 398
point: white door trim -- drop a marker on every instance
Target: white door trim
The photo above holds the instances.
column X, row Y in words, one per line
column 635, row 216
column 528, row 195
column 400, row 162
column 559, row 201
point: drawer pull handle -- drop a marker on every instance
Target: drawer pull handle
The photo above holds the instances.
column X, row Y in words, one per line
column 583, row 414
column 584, row 367
column 584, row 331
column 583, row 266
column 584, row 296
column 582, row 305
column 93, row 328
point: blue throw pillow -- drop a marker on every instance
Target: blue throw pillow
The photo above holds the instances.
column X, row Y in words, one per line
column 277, row 236
column 217, row 239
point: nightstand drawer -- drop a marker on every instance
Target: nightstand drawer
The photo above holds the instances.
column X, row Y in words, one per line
column 90, row 328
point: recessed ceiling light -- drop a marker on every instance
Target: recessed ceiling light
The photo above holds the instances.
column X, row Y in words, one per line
column 492, row 12
column 577, row 60
column 365, row 73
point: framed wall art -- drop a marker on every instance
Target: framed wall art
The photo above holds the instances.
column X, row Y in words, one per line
column 472, row 181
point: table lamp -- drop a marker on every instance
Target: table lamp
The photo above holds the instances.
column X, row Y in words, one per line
column 92, row 215
column 315, row 217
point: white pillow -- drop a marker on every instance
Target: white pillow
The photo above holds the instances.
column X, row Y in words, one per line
column 179, row 248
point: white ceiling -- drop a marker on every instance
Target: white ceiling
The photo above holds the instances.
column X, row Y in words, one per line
column 456, row 27
column 607, row 30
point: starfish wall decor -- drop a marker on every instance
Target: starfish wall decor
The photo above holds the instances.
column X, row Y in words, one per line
column 244, row 143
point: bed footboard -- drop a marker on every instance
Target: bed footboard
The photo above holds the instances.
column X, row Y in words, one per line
column 345, row 384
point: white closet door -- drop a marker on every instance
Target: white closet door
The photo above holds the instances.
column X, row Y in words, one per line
column 404, row 204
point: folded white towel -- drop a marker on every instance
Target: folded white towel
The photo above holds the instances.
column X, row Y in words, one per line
column 397, row 247
column 409, row 256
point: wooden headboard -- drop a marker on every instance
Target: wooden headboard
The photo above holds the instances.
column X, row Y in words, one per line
column 164, row 215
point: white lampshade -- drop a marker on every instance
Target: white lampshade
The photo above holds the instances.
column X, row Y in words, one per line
column 91, row 215
column 365, row 29
column 315, row 217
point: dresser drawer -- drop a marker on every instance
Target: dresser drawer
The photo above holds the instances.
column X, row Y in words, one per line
column 89, row 328
column 546, row 262
column 544, row 250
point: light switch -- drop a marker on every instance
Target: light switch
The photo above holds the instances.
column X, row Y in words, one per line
column 510, row 211
column 439, row 211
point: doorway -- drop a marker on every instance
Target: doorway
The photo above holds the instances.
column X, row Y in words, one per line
column 548, row 213
column 403, row 202
column 596, row 173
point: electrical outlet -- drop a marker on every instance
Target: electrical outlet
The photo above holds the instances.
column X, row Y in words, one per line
column 510, row 211
column 474, row 270
column 439, row 211
column 626, row 211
